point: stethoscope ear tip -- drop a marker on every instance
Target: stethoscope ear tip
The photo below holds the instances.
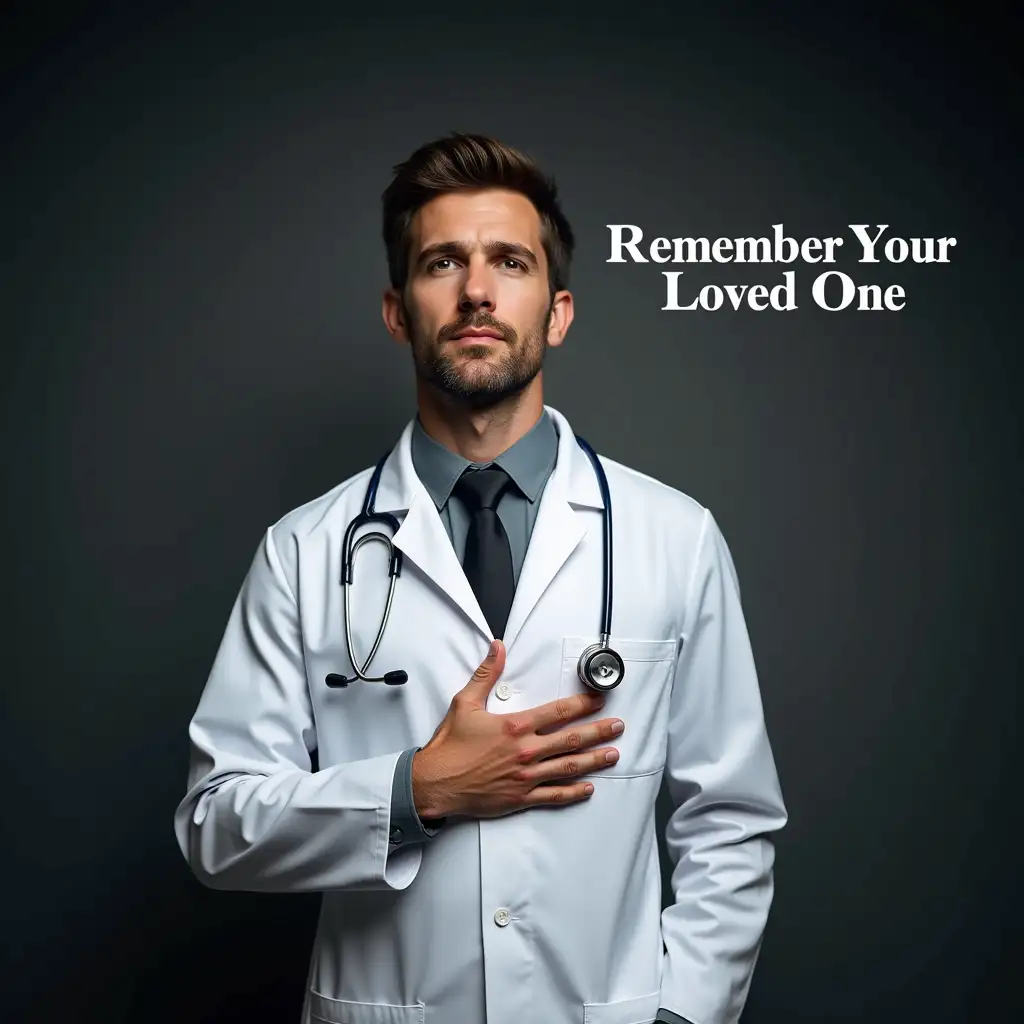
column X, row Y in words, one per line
column 391, row 678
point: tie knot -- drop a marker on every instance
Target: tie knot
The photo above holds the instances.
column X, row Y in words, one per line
column 482, row 488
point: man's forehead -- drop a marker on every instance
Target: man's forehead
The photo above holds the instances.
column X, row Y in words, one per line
column 477, row 216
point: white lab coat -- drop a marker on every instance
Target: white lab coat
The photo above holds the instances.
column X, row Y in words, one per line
column 416, row 935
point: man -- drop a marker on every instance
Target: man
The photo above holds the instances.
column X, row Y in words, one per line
column 483, row 835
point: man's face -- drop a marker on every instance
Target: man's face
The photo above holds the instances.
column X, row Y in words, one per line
column 477, row 310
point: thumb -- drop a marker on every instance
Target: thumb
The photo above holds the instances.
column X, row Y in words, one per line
column 487, row 672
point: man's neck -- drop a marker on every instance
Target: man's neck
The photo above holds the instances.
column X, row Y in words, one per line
column 480, row 435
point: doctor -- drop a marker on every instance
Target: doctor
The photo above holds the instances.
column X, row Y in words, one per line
column 483, row 834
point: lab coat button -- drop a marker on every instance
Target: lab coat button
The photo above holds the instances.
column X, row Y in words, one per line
column 503, row 691
column 502, row 917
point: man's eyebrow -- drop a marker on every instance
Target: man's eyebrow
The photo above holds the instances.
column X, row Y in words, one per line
column 461, row 250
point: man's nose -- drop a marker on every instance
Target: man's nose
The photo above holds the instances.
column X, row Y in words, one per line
column 477, row 292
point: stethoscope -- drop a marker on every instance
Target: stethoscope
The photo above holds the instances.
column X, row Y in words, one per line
column 599, row 667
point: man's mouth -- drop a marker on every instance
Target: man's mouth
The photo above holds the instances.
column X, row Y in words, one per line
column 477, row 333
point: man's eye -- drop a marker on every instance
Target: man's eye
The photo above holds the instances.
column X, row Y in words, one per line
column 436, row 265
column 516, row 264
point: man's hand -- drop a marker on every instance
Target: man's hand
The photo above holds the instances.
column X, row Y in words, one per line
column 485, row 765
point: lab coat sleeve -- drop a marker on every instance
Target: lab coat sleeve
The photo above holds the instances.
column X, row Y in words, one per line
column 726, row 800
column 255, row 816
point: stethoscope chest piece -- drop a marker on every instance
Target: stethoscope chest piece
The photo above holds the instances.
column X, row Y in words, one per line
column 600, row 668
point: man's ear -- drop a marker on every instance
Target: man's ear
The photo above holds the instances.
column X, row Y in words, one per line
column 559, row 318
column 393, row 312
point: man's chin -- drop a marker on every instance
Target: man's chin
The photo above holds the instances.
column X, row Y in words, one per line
column 469, row 375
column 478, row 391
column 479, row 396
column 477, row 378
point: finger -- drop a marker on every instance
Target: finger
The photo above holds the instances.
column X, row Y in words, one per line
column 565, row 709
column 483, row 679
column 578, row 739
column 572, row 765
column 571, row 794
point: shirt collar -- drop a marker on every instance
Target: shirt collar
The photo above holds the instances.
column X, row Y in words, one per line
column 528, row 462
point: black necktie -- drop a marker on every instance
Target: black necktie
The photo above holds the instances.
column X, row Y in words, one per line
column 488, row 559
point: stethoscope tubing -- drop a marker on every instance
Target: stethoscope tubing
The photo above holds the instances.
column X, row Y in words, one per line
column 368, row 516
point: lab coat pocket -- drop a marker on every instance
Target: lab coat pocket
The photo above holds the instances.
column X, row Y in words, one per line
column 641, row 700
column 639, row 1010
column 344, row 1011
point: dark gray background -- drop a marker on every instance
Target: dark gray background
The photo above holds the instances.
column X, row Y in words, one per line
column 193, row 346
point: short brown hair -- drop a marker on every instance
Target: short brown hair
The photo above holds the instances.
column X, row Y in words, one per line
column 460, row 163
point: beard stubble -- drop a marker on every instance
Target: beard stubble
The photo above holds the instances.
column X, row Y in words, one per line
column 475, row 378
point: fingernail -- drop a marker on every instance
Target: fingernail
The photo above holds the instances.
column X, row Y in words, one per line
column 588, row 789
column 611, row 756
column 617, row 727
column 493, row 649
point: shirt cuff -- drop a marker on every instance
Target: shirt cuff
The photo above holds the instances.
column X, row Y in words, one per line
column 406, row 826
column 668, row 1017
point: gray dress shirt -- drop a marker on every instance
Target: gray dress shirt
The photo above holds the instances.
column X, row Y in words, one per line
column 529, row 463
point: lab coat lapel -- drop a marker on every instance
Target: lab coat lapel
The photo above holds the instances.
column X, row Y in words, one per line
column 422, row 537
column 559, row 527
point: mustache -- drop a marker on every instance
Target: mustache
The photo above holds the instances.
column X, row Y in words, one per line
column 479, row 322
